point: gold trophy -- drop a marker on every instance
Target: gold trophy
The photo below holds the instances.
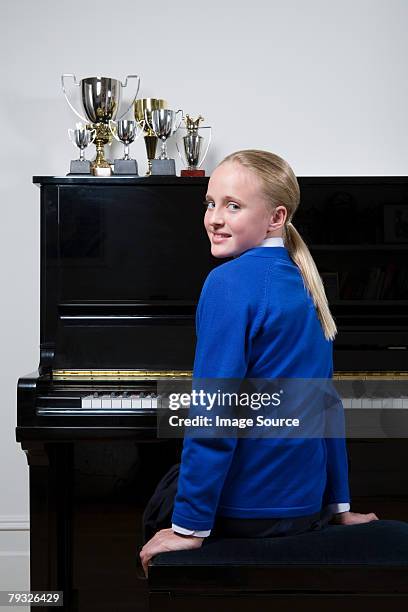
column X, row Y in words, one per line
column 143, row 109
column 100, row 99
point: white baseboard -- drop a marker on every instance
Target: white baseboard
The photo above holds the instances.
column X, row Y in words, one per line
column 14, row 553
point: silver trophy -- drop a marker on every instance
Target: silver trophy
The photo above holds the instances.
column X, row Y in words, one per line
column 81, row 137
column 126, row 132
column 164, row 123
column 193, row 147
column 96, row 100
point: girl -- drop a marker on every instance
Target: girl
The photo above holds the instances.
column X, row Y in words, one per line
column 263, row 314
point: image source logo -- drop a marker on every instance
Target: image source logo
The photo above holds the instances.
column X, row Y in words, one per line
column 283, row 408
column 248, row 408
column 208, row 400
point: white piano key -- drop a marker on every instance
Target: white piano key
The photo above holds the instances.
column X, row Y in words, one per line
column 347, row 402
column 404, row 402
column 356, row 402
column 126, row 402
column 154, row 402
column 116, row 402
column 86, row 402
column 397, row 403
column 377, row 403
column 387, row 402
column 146, row 402
column 366, row 402
column 106, row 401
column 136, row 401
column 96, row 402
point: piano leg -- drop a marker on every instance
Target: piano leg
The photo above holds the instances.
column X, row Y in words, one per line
column 51, row 472
column 86, row 504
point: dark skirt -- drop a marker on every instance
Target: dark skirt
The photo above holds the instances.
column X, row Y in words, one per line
column 159, row 510
column 226, row 527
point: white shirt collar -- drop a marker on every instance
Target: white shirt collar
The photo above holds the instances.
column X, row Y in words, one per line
column 274, row 241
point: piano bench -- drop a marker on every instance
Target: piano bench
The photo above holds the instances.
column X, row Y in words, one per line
column 338, row 569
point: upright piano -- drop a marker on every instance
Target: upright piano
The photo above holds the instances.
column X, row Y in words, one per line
column 123, row 261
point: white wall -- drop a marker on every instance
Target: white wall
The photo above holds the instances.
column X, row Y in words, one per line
column 321, row 83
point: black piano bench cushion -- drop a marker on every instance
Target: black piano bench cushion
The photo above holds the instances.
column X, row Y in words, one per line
column 369, row 559
column 383, row 542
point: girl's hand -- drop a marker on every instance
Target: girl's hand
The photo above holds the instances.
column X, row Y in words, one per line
column 353, row 518
column 166, row 540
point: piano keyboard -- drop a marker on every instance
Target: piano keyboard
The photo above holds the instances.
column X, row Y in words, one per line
column 130, row 402
column 81, row 402
column 382, row 403
column 124, row 400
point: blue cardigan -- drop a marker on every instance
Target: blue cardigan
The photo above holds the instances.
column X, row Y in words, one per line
column 255, row 319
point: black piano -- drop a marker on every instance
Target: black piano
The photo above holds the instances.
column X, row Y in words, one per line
column 123, row 261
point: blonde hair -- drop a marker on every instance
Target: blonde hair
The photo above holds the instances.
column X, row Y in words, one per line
column 280, row 187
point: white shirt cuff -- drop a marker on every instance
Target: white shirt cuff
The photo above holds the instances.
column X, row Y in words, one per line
column 337, row 508
column 184, row 531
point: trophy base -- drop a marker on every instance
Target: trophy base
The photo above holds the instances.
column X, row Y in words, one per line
column 80, row 167
column 164, row 167
column 125, row 166
column 102, row 171
column 192, row 173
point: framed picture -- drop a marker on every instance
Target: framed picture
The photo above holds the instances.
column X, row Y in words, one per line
column 396, row 223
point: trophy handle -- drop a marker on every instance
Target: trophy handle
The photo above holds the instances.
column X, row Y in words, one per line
column 208, row 145
column 113, row 131
column 141, row 126
column 181, row 119
column 63, row 77
column 124, row 84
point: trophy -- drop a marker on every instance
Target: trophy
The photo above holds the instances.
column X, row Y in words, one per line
column 100, row 99
column 192, row 147
column 164, row 123
column 126, row 132
column 81, row 137
column 143, row 109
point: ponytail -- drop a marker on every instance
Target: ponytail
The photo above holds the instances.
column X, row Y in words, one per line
column 312, row 281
